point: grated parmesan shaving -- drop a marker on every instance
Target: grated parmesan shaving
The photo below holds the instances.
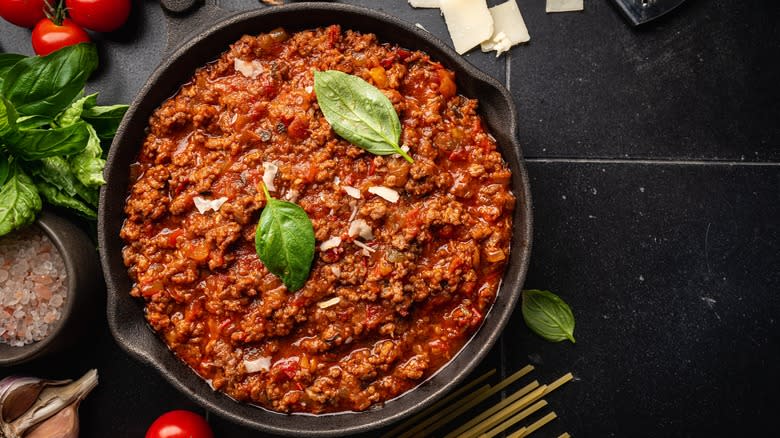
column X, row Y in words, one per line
column 262, row 363
column 367, row 250
column 499, row 42
column 328, row 303
column 359, row 227
column 249, row 69
column 333, row 242
column 203, row 205
column 269, row 173
column 424, row 3
column 351, row 191
column 385, row 193
column 292, row 195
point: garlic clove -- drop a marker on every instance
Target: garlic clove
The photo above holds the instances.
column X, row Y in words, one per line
column 63, row 424
column 18, row 393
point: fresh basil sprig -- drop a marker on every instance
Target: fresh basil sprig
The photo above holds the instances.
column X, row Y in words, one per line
column 284, row 241
column 548, row 315
column 50, row 134
column 359, row 112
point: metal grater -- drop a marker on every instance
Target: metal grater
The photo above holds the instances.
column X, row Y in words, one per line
column 642, row 11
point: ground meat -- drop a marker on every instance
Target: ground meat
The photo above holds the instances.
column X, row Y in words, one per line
column 377, row 315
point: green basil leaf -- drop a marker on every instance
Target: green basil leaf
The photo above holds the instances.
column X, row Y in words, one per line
column 45, row 85
column 284, row 241
column 56, row 172
column 105, row 119
column 32, row 122
column 88, row 164
column 548, row 315
column 8, row 117
column 5, row 166
column 19, row 200
column 359, row 112
column 55, row 196
column 8, row 60
column 72, row 113
column 34, row 144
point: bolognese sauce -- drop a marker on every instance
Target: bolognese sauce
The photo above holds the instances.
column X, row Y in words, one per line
column 389, row 300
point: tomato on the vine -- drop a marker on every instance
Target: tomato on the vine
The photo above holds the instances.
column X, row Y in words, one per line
column 179, row 424
column 48, row 36
column 99, row 15
column 23, row 13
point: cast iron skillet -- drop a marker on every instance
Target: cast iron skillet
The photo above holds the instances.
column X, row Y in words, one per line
column 125, row 314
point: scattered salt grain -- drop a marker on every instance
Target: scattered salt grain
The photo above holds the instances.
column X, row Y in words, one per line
column 32, row 286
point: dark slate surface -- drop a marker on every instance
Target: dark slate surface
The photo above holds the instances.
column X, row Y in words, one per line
column 655, row 171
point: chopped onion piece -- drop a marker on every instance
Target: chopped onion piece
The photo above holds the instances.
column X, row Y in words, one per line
column 269, row 173
column 359, row 227
column 249, row 69
column 384, row 192
column 351, row 191
column 336, row 271
column 333, row 242
column 309, row 89
column 262, row 363
column 367, row 250
column 336, row 180
column 203, row 205
column 328, row 303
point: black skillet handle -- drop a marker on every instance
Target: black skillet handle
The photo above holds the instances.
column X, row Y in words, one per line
column 185, row 18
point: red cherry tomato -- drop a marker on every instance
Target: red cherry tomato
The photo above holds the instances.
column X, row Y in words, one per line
column 99, row 15
column 48, row 36
column 23, row 13
column 179, row 424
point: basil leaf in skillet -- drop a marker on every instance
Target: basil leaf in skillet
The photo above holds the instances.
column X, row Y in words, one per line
column 19, row 200
column 46, row 85
column 359, row 112
column 548, row 315
column 284, row 241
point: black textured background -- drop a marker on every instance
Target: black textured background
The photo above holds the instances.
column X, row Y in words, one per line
column 654, row 156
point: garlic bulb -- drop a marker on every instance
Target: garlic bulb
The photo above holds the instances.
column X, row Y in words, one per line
column 27, row 402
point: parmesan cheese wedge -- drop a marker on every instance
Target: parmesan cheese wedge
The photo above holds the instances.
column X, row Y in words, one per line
column 564, row 5
column 468, row 21
column 424, row 3
column 508, row 21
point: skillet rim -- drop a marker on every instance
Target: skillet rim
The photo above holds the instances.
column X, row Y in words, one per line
column 132, row 333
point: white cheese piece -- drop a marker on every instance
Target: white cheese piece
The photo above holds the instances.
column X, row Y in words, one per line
column 249, row 69
column 564, row 5
column 309, row 89
column 333, row 242
column 359, row 227
column 203, row 205
column 262, row 363
column 269, row 173
column 384, row 192
column 328, row 303
column 351, row 191
column 468, row 21
column 418, row 25
column 424, row 3
column 507, row 20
